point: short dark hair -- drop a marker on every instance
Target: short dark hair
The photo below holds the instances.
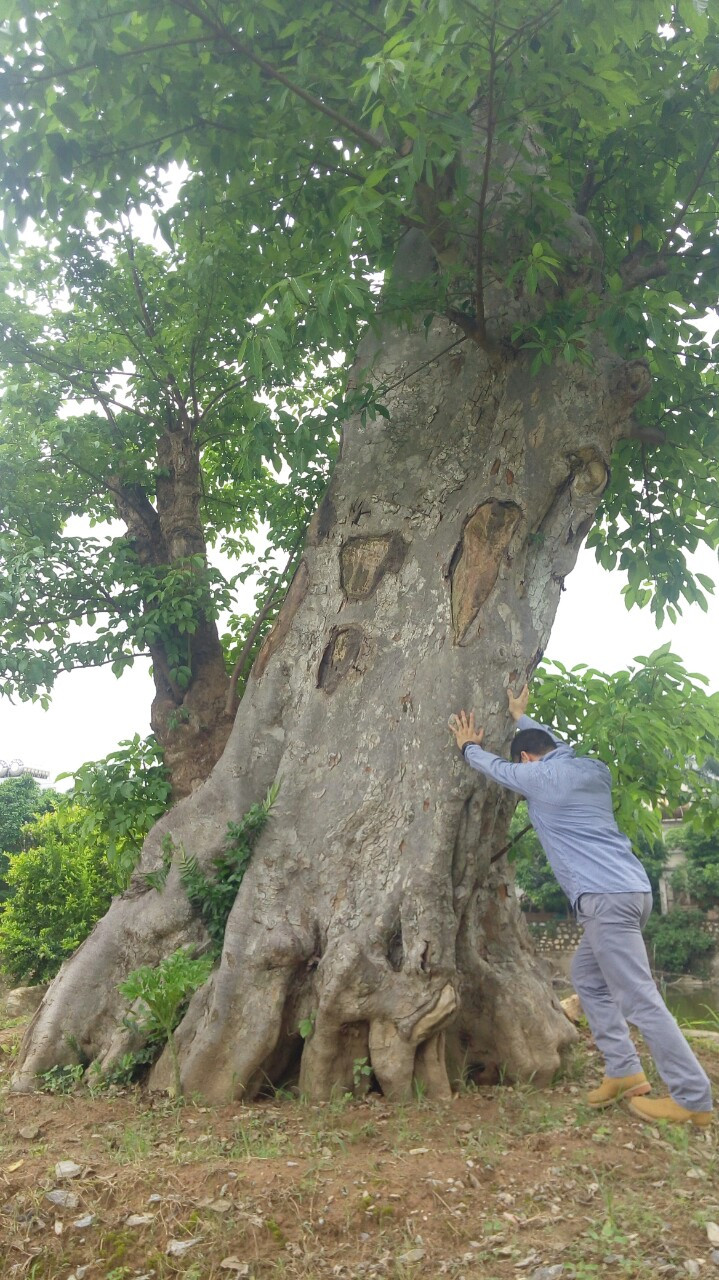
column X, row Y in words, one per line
column 536, row 742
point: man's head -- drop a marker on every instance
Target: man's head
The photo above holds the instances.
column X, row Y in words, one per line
column 530, row 744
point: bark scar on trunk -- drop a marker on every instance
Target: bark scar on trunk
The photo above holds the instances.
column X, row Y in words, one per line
column 339, row 657
column 364, row 561
column 477, row 558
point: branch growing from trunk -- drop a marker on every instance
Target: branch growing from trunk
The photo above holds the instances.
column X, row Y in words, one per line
column 646, row 434
column 515, row 840
column 641, row 265
column 261, row 617
column 247, row 647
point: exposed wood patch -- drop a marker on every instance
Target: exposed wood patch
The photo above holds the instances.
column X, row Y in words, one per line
column 295, row 595
column 477, row 559
column 365, row 561
column 339, row 657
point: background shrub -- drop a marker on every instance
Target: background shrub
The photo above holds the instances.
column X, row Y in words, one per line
column 677, row 943
column 59, row 887
column 21, row 800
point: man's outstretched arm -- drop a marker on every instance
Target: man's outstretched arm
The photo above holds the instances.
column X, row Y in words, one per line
column 521, row 778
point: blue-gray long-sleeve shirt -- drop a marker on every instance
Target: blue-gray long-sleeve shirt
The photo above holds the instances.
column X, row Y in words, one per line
column 569, row 799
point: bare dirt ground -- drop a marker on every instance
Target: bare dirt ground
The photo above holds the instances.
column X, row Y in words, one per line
column 501, row 1182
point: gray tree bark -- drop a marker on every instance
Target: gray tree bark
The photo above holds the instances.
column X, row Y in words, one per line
column 429, row 582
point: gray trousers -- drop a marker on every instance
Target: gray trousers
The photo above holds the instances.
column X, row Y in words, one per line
column 613, row 980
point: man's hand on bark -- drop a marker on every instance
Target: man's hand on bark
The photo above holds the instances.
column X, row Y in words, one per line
column 518, row 705
column 464, row 729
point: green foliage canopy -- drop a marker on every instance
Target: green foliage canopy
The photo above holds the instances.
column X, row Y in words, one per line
column 698, row 877
column 105, row 342
column 306, row 141
column 21, row 799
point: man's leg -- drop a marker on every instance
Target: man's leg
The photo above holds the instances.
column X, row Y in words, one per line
column 607, row 1024
column 612, row 925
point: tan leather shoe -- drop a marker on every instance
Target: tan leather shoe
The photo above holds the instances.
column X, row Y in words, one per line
column 667, row 1109
column 614, row 1088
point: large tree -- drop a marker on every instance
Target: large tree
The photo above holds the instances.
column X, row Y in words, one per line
column 535, row 182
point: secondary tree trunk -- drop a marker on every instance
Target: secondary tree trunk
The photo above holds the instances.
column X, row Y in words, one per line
column 189, row 716
column 429, row 582
column 192, row 725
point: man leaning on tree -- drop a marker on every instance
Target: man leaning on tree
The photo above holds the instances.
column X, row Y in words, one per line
column 569, row 799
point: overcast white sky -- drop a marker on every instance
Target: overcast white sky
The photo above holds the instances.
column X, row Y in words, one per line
column 92, row 711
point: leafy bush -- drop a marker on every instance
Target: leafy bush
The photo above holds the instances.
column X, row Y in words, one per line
column 60, row 887
column 677, row 943
column 119, row 799
column 699, row 884
column 21, row 800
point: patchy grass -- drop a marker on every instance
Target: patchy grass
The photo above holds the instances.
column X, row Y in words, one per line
column 497, row 1184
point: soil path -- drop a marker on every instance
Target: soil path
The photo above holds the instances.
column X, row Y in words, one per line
column 500, row 1182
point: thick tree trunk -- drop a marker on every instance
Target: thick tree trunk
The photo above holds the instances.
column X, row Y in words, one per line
column 430, row 581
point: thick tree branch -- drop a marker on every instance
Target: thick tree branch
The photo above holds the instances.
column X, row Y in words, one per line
column 641, row 265
column 646, row 434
